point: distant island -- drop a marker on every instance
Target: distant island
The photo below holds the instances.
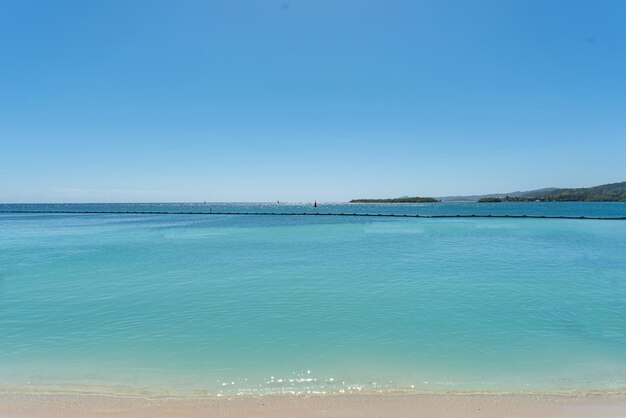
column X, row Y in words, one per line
column 398, row 200
column 614, row 192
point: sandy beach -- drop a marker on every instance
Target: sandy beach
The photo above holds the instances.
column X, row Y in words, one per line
column 20, row 405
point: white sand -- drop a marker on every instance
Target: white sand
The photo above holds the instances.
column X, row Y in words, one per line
column 20, row 405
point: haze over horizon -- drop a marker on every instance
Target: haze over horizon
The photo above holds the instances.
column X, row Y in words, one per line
column 296, row 101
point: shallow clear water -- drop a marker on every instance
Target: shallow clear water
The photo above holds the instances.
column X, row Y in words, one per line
column 193, row 305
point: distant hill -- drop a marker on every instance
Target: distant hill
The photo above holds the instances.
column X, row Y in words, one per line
column 475, row 198
column 614, row 192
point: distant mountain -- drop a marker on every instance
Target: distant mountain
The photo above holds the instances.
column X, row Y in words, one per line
column 614, row 192
column 475, row 198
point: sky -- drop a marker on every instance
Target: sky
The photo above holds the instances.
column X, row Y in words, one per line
column 301, row 100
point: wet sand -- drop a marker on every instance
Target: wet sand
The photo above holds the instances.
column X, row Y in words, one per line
column 21, row 405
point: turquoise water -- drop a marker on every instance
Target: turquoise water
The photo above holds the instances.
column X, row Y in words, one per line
column 505, row 208
column 221, row 305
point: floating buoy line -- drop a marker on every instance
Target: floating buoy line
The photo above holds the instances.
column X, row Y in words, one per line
column 379, row 215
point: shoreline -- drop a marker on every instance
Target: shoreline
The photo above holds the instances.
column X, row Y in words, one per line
column 33, row 405
column 176, row 393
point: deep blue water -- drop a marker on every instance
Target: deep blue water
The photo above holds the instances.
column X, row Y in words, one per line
column 600, row 209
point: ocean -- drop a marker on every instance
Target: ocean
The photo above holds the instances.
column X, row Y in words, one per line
column 226, row 305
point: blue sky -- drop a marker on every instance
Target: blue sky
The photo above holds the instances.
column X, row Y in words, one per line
column 299, row 100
